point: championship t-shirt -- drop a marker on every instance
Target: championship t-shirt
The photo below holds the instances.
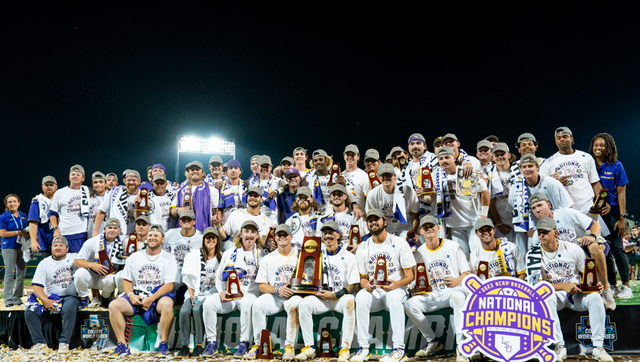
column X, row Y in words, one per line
column 179, row 246
column 251, row 259
column 145, row 272
column 465, row 210
column 358, row 184
column 110, row 209
column 446, row 261
column 378, row 198
column 344, row 269
column 66, row 205
column 92, row 247
column 564, row 265
column 159, row 210
column 234, row 224
column 571, row 225
column 55, row 276
column 277, row 269
column 344, row 219
column 396, row 251
column 479, row 254
column 94, row 207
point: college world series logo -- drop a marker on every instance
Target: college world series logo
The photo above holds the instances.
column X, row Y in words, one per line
column 507, row 319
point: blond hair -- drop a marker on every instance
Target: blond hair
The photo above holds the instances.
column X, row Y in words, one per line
column 237, row 241
column 327, row 158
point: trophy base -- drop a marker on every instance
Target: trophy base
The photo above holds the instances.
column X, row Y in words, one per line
column 595, row 211
column 326, row 354
column 235, row 295
column 143, row 210
column 306, row 288
column 381, row 283
column 426, row 192
column 587, row 290
column 422, row 291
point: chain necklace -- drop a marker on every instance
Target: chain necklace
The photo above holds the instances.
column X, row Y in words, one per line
column 554, row 255
column 152, row 260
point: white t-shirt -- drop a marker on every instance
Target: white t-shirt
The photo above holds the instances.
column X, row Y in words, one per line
column 581, row 169
column 55, row 276
column 66, row 203
column 553, row 189
column 378, row 198
column 465, row 210
column 264, row 209
column 146, row 272
column 247, row 283
column 571, row 225
column 446, row 261
column 277, row 269
column 395, row 250
column 94, row 206
column 344, row 269
column 207, row 285
column 179, row 246
column 565, row 266
column 344, row 219
column 479, row 254
column 358, row 184
column 300, row 227
column 159, row 209
column 91, row 247
column 234, row 224
column 109, row 209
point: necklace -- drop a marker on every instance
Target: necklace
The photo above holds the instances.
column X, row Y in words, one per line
column 152, row 260
column 554, row 255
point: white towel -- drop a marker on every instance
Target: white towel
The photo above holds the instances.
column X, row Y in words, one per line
column 43, row 206
column 84, row 201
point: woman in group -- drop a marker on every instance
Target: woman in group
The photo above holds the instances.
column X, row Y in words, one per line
column 239, row 263
column 613, row 178
column 199, row 275
column 13, row 223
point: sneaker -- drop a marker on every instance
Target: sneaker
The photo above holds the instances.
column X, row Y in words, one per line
column 38, row 348
column 84, row 302
column 121, row 350
column 396, row 354
column 343, row 355
column 616, row 291
column 600, row 355
column 609, row 301
column 197, row 351
column 63, row 348
column 243, row 347
column 163, row 348
column 429, row 348
column 625, row 293
column 308, row 352
column 183, row 352
column 561, row 353
column 211, row 349
column 289, row 353
column 253, row 352
column 362, row 354
column 95, row 303
column 460, row 357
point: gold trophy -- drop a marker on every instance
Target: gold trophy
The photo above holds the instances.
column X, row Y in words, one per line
column 381, row 273
column 598, row 205
column 308, row 275
column 483, row 270
column 143, row 206
column 589, row 277
column 422, row 280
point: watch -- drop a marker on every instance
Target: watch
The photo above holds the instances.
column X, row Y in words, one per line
column 594, row 236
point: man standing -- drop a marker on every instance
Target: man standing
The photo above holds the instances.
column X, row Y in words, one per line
column 420, row 158
column 69, row 212
column 98, row 192
column 484, row 153
column 180, row 241
column 204, row 198
column 160, row 203
column 318, row 178
column 39, row 229
column 112, row 180
column 526, row 144
column 371, row 163
column 269, row 184
column 232, row 227
column 287, row 194
column 460, row 157
column 300, row 161
column 120, row 204
column 356, row 180
column 233, row 191
column 499, row 210
column 215, row 178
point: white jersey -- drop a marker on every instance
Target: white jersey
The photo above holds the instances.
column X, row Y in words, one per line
column 252, row 259
column 147, row 272
column 571, row 224
column 344, row 219
column 110, row 209
column 234, row 224
column 264, row 209
column 516, row 256
column 55, row 276
column 66, row 203
column 446, row 261
column 301, row 226
column 358, row 184
column 159, row 211
column 344, row 269
column 277, row 269
column 206, row 283
column 553, row 189
column 581, row 169
column 378, row 198
column 92, row 246
column 179, row 246
column 564, row 265
column 465, row 210
column 395, row 250
column 94, row 206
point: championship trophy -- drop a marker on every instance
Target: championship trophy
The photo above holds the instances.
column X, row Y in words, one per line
column 589, row 277
column 335, row 172
column 308, row 276
column 264, row 349
column 381, row 273
column 483, row 270
column 271, row 237
column 103, row 259
column 374, row 180
column 143, row 206
column 425, row 180
column 422, row 280
column 187, row 200
column 598, row 205
column 233, row 286
column 325, row 337
column 354, row 235
column 132, row 245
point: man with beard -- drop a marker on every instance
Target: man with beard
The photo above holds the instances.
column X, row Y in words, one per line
column 341, row 213
column 120, row 204
column 232, row 227
column 39, row 228
column 304, row 220
column 142, row 231
column 287, row 194
column 179, row 242
column 233, row 191
column 318, row 178
column 204, row 198
column 98, row 192
column 420, row 158
column 160, row 203
column 69, row 211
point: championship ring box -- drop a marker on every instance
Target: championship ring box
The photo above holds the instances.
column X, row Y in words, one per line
column 374, row 181
column 425, row 181
column 598, row 205
column 132, row 245
column 325, row 338
column 143, row 206
column 308, row 275
column 264, row 349
column 233, row 286
column 335, row 172
column 422, row 280
column 354, row 235
column 381, row 273
column 589, row 277
column 105, row 261
column 483, row 270
column 187, row 201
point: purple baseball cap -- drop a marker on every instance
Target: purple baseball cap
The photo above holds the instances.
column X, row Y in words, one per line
column 292, row 171
column 234, row 163
column 159, row 165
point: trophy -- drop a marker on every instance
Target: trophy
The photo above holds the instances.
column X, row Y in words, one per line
column 132, row 245
column 381, row 274
column 143, row 206
column 187, row 200
column 264, row 349
column 601, row 200
column 103, row 259
column 425, row 180
column 271, row 238
column 422, row 280
column 335, row 172
column 308, row 275
column 354, row 235
column 233, row 286
column 483, row 270
column 325, row 337
column 374, row 180
column 589, row 277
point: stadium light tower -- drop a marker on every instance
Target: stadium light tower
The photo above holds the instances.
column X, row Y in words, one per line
column 206, row 146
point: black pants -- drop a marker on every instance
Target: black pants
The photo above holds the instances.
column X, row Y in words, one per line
column 617, row 252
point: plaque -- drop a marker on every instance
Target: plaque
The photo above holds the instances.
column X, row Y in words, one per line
column 325, row 338
column 589, row 277
column 466, row 186
column 422, row 280
column 308, row 274
column 187, row 200
column 483, row 270
column 335, row 172
column 354, row 235
column 381, row 273
column 233, row 286
column 143, row 206
column 264, row 349
column 425, row 180
column 131, row 246
column 103, row 258
column 374, row 181
column 601, row 200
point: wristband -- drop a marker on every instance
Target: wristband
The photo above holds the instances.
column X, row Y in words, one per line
column 277, row 292
column 485, row 211
column 594, row 236
column 129, row 295
column 341, row 292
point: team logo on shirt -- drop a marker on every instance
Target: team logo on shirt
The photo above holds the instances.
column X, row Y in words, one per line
column 439, row 270
column 63, row 277
column 283, row 275
column 507, row 319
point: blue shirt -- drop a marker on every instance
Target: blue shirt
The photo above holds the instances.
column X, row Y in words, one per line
column 45, row 234
column 611, row 177
column 9, row 222
column 285, row 202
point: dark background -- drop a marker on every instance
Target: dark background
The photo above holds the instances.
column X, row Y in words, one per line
column 114, row 87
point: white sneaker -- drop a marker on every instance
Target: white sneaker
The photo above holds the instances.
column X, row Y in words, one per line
column 308, row 352
column 95, row 303
column 362, row 354
column 625, row 293
column 616, row 291
column 429, row 348
column 396, row 354
column 561, row 353
column 63, row 348
column 600, row 355
column 609, row 301
column 343, row 355
column 38, row 348
column 460, row 357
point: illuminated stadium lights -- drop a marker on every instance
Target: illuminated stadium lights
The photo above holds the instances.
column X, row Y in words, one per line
column 213, row 146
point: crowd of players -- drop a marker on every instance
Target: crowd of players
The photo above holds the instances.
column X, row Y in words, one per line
column 212, row 227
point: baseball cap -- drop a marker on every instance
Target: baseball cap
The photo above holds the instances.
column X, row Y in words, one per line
column 388, row 158
column 385, row 168
column 526, row 137
column 264, row 160
column 287, row 159
column 305, row 190
column 256, row 190
column 416, row 137
column 215, row 159
column 188, row 213
column 546, row 223
column 484, row 221
column 160, row 166
column 437, row 141
column 159, row 176
column 351, row 148
column 250, row 223
column 372, row 153
column 528, row 158
column 49, row 179
column 254, row 158
column 428, row 219
column 484, row 143
column 210, row 230
column 449, row 136
column 396, row 149
column 124, row 173
column 198, row 164
column 234, row 163
column 133, row 173
column 299, row 149
column 97, row 176
column 375, row 212
column 561, row 130
column 112, row 221
column 492, row 138
column 156, row 227
column 283, row 227
column 337, row 187
column 143, row 218
column 331, row 224
column 500, row 146
column 320, row 153
column 292, row 171
column 60, row 239
column 445, row 151
column 77, row 168
column 537, row 197
column 111, row 174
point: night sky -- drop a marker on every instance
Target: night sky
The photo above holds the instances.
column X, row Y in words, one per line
column 113, row 88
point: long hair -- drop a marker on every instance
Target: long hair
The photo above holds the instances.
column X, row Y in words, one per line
column 205, row 251
column 6, row 199
column 237, row 241
column 295, row 207
column 610, row 150
column 328, row 159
